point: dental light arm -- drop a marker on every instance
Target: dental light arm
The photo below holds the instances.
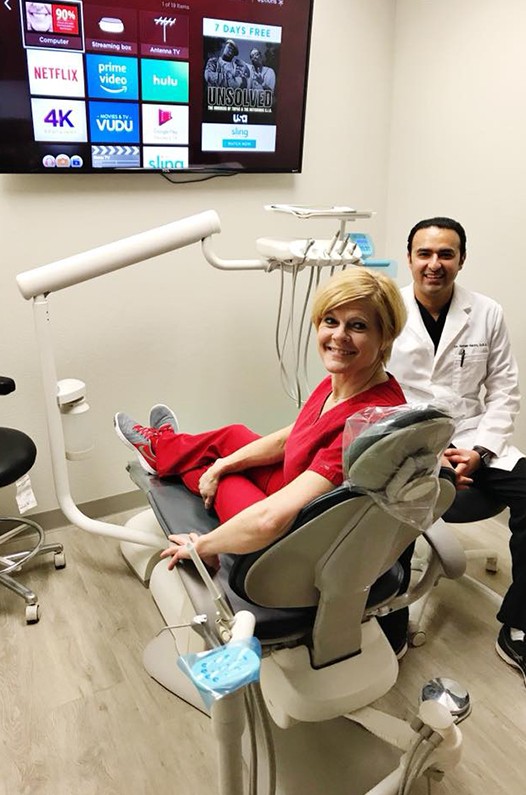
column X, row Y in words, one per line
column 38, row 283
column 105, row 259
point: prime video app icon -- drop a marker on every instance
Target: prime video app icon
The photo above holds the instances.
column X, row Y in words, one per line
column 112, row 77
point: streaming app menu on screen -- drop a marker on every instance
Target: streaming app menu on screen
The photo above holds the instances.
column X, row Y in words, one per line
column 193, row 85
column 116, row 78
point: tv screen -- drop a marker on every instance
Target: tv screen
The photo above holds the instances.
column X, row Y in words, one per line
column 88, row 86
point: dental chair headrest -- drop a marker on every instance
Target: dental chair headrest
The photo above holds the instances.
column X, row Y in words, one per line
column 394, row 440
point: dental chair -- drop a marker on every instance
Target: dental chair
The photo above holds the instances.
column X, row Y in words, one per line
column 315, row 593
column 17, row 456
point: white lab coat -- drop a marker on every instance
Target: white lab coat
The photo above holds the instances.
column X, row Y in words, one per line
column 473, row 374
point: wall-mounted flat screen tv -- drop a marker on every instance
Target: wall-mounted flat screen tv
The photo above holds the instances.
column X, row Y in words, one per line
column 90, row 86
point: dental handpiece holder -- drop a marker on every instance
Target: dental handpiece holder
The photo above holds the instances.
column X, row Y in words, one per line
column 76, row 419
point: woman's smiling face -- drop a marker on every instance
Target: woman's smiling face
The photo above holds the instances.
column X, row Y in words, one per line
column 349, row 339
column 39, row 16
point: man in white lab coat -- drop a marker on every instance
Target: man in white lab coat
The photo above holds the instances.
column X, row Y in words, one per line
column 455, row 350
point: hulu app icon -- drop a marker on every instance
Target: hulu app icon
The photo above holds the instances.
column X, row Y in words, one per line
column 164, row 81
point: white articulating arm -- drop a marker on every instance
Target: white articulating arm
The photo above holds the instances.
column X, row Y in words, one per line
column 296, row 254
column 105, row 259
column 36, row 284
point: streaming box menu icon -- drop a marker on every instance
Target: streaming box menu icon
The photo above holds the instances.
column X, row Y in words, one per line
column 115, row 156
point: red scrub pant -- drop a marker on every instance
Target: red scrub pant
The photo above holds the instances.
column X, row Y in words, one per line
column 189, row 455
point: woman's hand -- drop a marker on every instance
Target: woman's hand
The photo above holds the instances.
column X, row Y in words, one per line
column 208, row 483
column 178, row 551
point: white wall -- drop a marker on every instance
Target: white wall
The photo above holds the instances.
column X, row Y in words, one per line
column 458, row 142
column 174, row 329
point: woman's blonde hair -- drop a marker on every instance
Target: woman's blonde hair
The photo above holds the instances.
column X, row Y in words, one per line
column 361, row 284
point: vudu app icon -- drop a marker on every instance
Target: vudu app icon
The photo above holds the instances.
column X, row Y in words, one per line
column 112, row 77
column 164, row 81
column 114, row 122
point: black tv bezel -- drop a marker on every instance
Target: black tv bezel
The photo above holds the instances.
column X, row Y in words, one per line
column 196, row 170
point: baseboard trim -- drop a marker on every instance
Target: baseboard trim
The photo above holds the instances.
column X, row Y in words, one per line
column 95, row 509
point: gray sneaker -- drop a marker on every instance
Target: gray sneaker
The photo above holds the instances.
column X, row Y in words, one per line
column 137, row 438
column 162, row 415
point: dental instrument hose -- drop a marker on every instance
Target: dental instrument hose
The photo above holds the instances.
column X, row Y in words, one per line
column 423, row 732
column 251, row 719
column 431, row 744
column 268, row 741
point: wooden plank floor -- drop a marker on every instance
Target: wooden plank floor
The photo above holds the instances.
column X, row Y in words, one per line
column 79, row 715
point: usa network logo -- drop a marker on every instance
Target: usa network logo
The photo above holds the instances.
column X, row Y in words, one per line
column 110, row 76
column 165, row 124
column 60, row 74
column 59, row 120
column 114, row 122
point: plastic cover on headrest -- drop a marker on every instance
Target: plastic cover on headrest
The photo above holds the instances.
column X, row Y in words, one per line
column 393, row 454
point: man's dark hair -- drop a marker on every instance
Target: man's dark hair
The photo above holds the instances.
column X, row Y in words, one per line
column 442, row 223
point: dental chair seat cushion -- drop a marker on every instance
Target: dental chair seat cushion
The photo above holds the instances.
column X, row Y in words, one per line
column 18, row 454
column 177, row 510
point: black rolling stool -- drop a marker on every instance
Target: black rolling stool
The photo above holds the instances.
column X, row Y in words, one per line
column 17, row 456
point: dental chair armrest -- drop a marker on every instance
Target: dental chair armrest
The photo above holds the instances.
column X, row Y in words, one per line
column 447, row 548
column 7, row 385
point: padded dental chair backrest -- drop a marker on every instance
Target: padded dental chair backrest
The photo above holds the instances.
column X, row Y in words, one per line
column 343, row 542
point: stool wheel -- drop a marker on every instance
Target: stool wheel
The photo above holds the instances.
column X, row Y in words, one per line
column 492, row 565
column 417, row 638
column 60, row 560
column 32, row 613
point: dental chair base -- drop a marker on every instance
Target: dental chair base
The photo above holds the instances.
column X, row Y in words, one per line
column 317, row 715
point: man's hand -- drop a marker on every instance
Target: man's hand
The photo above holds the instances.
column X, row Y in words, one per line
column 465, row 462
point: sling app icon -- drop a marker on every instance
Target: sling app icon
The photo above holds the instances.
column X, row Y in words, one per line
column 165, row 124
column 166, row 158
